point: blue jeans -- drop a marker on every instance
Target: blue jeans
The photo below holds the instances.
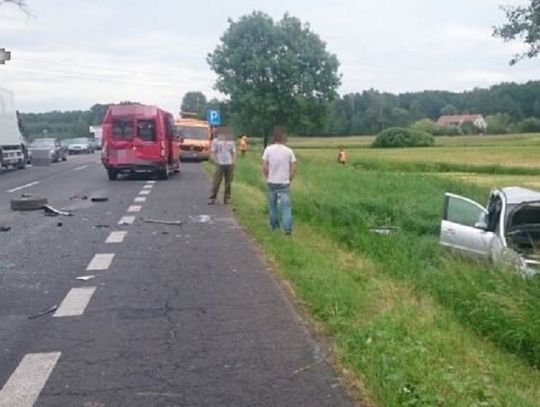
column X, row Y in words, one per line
column 278, row 195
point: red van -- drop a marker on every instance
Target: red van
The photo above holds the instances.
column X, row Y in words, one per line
column 139, row 138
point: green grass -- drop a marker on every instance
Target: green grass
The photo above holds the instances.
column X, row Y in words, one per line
column 416, row 326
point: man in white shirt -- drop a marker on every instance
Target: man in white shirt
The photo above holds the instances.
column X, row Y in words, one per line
column 279, row 169
column 222, row 154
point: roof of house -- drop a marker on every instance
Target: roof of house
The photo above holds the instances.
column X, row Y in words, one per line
column 447, row 120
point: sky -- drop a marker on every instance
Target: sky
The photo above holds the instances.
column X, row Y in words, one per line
column 71, row 54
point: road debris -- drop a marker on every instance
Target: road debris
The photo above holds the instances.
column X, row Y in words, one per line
column 200, row 219
column 310, row 366
column 5, row 228
column 164, row 222
column 99, row 199
column 50, row 211
column 59, row 224
column 42, row 313
column 85, row 278
column 28, row 203
column 101, row 226
column 385, row 230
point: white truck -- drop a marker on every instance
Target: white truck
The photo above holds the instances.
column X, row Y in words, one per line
column 13, row 151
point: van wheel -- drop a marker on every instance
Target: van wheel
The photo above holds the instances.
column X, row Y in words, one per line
column 164, row 174
column 113, row 174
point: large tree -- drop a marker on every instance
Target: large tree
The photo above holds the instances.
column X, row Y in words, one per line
column 194, row 102
column 523, row 23
column 274, row 72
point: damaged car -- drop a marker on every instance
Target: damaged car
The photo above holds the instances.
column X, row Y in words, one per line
column 505, row 231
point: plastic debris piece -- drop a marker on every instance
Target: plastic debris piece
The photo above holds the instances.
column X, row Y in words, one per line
column 385, row 230
column 5, row 228
column 49, row 210
column 99, row 199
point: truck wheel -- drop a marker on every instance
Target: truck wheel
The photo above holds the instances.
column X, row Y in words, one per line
column 113, row 174
column 22, row 164
column 31, row 203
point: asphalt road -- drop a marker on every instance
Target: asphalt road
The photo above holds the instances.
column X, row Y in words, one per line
column 174, row 315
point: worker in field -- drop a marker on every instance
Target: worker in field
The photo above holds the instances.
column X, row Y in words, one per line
column 243, row 145
column 279, row 169
column 222, row 154
column 342, row 156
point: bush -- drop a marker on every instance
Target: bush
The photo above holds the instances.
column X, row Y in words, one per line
column 398, row 137
column 425, row 125
column 498, row 123
column 530, row 125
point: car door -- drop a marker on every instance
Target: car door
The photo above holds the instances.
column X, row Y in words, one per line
column 463, row 226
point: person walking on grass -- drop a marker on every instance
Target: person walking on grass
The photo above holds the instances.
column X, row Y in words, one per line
column 222, row 154
column 243, row 145
column 342, row 156
column 279, row 169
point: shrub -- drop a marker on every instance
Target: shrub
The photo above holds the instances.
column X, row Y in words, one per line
column 397, row 137
column 530, row 125
column 426, row 125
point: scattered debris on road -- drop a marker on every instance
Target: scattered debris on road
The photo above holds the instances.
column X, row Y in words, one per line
column 164, row 222
column 28, row 203
column 50, row 211
column 5, row 228
column 101, row 226
column 43, row 313
column 200, row 219
column 99, row 199
column 85, row 278
column 59, row 224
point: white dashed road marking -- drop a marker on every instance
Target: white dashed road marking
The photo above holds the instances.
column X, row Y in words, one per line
column 150, row 182
column 101, row 261
column 82, row 167
column 75, row 302
column 23, row 387
column 148, row 186
column 140, row 199
column 134, row 208
column 116, row 237
column 126, row 220
column 144, row 192
column 23, row 186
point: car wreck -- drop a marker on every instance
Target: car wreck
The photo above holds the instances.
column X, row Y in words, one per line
column 505, row 231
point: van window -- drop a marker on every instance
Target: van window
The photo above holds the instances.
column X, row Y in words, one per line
column 146, row 130
column 122, row 129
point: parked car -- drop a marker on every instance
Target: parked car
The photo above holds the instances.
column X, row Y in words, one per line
column 80, row 145
column 506, row 231
column 53, row 146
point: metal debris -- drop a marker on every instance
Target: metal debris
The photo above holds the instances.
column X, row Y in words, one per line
column 42, row 313
column 164, row 222
column 50, row 211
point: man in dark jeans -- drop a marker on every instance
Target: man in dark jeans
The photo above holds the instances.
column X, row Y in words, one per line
column 222, row 154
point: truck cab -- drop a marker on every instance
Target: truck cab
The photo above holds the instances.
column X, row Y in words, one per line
column 195, row 136
column 13, row 151
column 139, row 138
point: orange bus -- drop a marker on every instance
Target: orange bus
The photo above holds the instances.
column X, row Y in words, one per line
column 195, row 137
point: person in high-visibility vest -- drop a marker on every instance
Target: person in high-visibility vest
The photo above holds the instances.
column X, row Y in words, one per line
column 243, row 145
column 342, row 156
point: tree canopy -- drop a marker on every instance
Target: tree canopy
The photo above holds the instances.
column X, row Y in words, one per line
column 523, row 23
column 274, row 72
column 194, row 102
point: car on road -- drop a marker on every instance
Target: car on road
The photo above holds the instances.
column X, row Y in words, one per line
column 506, row 230
column 53, row 148
column 80, row 145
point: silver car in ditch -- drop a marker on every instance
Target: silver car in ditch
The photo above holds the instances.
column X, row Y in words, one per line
column 506, row 231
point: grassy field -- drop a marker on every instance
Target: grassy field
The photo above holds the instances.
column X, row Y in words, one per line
column 413, row 324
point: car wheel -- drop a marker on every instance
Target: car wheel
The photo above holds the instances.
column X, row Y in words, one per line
column 113, row 174
column 64, row 158
column 31, row 203
column 164, row 174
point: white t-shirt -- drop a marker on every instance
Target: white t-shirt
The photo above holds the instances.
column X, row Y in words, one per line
column 279, row 158
column 224, row 151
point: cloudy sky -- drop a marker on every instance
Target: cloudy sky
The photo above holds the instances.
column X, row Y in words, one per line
column 70, row 54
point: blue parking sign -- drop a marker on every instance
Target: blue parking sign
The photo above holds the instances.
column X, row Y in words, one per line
column 213, row 117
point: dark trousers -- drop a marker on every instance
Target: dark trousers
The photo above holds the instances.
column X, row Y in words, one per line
column 223, row 171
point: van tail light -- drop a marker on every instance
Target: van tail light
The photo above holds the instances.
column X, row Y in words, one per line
column 162, row 149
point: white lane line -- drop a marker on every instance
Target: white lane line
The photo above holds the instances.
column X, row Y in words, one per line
column 82, row 167
column 140, row 199
column 144, row 192
column 23, row 187
column 148, row 186
column 23, row 387
column 116, row 237
column 75, row 302
column 101, row 261
column 150, row 182
column 134, row 208
column 126, row 220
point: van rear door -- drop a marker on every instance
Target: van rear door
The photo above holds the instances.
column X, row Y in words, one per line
column 147, row 145
column 120, row 145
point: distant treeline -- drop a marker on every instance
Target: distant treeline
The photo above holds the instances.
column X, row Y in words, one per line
column 508, row 107
column 371, row 111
